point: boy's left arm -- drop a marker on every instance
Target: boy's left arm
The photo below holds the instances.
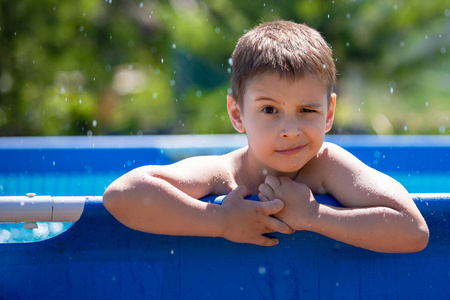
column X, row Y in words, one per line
column 378, row 212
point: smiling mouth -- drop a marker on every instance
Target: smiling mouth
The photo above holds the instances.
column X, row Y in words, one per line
column 290, row 150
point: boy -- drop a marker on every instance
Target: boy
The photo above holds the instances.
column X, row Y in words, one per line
column 282, row 80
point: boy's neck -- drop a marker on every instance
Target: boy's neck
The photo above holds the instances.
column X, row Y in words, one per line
column 252, row 173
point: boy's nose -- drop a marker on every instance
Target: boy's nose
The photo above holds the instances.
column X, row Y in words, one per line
column 290, row 130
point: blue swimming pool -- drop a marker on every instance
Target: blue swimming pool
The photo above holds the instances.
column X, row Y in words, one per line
column 86, row 166
column 100, row 258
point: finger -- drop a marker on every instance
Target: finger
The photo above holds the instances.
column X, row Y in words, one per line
column 273, row 182
column 270, row 207
column 262, row 198
column 267, row 191
column 265, row 241
column 284, row 180
column 238, row 193
column 278, row 226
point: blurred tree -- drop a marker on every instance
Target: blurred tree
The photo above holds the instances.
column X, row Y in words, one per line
column 132, row 67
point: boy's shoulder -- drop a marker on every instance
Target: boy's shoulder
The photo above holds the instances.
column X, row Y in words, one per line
column 329, row 152
column 335, row 153
column 330, row 160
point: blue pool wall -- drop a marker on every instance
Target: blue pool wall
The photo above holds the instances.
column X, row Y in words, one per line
column 99, row 258
column 91, row 154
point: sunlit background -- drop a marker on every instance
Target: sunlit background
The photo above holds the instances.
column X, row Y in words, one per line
column 162, row 67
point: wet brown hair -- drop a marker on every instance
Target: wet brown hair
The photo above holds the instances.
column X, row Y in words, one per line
column 291, row 49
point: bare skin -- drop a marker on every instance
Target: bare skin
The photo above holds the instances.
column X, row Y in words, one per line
column 286, row 163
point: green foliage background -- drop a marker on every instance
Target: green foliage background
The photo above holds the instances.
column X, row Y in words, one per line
column 149, row 67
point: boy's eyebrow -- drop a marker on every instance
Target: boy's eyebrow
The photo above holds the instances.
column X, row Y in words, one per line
column 311, row 104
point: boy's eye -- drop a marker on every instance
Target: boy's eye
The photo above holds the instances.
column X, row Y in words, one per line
column 269, row 110
column 307, row 110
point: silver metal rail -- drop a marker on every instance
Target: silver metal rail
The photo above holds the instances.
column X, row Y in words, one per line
column 32, row 208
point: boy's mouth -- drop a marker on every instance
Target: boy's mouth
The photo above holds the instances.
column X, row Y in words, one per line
column 290, row 150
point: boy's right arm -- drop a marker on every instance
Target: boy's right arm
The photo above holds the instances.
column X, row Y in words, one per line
column 163, row 200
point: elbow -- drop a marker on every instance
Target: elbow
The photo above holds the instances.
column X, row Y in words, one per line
column 116, row 202
column 112, row 200
column 418, row 240
column 422, row 238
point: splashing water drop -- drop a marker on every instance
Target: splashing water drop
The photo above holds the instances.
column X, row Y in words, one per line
column 262, row 270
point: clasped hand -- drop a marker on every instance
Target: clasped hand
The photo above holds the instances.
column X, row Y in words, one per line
column 284, row 206
column 246, row 221
column 299, row 203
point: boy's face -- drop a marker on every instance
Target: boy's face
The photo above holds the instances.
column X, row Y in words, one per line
column 285, row 120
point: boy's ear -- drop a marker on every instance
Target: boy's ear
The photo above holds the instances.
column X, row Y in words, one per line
column 235, row 114
column 330, row 114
